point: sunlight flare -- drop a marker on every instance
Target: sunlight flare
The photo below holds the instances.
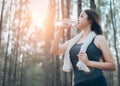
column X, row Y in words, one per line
column 38, row 18
column 38, row 11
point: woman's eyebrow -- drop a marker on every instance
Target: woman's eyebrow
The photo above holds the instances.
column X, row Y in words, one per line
column 82, row 14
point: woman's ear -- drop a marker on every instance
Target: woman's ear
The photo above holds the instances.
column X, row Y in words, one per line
column 91, row 21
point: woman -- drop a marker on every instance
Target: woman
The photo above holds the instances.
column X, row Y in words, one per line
column 96, row 50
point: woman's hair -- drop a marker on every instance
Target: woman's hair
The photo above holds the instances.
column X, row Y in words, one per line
column 94, row 17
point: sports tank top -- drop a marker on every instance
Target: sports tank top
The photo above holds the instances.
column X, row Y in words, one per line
column 93, row 54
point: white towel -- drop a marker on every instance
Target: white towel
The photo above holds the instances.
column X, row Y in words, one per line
column 67, row 66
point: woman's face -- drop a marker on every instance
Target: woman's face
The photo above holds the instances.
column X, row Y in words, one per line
column 83, row 21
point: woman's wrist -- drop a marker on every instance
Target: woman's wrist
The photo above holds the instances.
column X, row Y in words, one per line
column 91, row 64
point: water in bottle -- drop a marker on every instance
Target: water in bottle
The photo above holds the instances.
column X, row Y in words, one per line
column 65, row 22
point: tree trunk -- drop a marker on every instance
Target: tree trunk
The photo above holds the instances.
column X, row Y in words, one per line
column 64, row 77
column 57, row 60
column 57, row 68
column 79, row 7
column 63, row 9
column 21, row 73
column 50, row 62
column 92, row 4
column 10, row 71
column 16, row 60
column 68, row 16
column 115, row 41
column 5, row 65
column 6, row 52
column 1, row 20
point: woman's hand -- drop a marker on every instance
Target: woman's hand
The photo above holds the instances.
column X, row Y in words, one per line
column 83, row 57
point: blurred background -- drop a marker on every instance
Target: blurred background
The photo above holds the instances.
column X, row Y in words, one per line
column 26, row 32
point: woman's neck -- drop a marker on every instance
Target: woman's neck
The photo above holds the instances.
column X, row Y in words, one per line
column 86, row 31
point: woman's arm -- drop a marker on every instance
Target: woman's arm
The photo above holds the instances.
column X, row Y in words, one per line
column 55, row 48
column 109, row 63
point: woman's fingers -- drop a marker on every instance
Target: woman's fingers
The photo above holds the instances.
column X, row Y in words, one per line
column 81, row 55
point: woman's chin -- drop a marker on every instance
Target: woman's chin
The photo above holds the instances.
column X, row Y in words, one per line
column 79, row 28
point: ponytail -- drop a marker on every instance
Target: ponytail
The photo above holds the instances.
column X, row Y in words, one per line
column 96, row 28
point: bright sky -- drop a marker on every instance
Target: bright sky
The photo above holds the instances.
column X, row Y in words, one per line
column 38, row 9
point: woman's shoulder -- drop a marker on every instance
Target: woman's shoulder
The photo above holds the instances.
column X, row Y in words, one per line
column 100, row 40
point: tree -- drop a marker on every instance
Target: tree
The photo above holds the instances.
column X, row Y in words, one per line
column 79, row 7
column 92, row 4
column 114, row 27
column 49, row 62
column 1, row 19
column 6, row 51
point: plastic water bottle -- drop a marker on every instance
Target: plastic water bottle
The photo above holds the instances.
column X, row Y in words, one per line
column 65, row 22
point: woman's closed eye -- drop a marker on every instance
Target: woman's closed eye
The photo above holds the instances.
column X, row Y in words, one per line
column 81, row 16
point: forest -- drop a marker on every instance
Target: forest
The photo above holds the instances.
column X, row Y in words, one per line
column 25, row 58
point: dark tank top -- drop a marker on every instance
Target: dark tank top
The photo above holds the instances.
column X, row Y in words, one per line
column 93, row 54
